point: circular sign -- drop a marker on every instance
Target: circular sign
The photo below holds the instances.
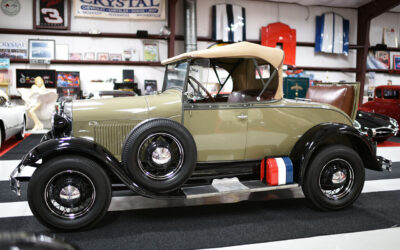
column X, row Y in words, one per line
column 10, row 7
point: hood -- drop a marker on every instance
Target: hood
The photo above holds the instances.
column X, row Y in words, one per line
column 167, row 104
column 372, row 120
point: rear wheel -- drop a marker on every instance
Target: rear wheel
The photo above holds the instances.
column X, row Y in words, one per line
column 335, row 178
column 69, row 192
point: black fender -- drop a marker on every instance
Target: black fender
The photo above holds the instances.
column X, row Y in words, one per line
column 327, row 134
column 72, row 145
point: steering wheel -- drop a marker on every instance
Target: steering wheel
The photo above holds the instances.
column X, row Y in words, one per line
column 201, row 86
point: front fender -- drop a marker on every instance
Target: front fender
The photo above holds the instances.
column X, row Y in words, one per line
column 328, row 134
column 84, row 147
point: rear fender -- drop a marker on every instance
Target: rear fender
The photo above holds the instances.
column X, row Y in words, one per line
column 328, row 134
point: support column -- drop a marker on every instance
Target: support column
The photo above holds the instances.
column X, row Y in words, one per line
column 171, row 25
column 365, row 14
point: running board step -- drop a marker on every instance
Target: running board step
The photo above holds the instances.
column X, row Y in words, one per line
column 229, row 186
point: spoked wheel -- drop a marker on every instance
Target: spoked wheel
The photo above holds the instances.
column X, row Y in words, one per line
column 335, row 178
column 160, row 155
column 69, row 192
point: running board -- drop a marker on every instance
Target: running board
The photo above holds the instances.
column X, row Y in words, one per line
column 231, row 186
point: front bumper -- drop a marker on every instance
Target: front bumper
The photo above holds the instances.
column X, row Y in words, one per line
column 20, row 173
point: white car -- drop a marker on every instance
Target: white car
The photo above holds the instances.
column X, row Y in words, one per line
column 12, row 121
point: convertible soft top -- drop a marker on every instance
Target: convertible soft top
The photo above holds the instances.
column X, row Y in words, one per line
column 270, row 55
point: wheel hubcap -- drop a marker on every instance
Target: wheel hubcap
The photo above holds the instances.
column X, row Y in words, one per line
column 336, row 179
column 69, row 194
column 160, row 156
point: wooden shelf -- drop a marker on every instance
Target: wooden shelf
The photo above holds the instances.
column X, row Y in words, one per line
column 300, row 44
column 129, row 63
column 348, row 70
column 74, row 33
column 385, row 71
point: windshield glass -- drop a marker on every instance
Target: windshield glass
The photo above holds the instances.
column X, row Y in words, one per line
column 175, row 75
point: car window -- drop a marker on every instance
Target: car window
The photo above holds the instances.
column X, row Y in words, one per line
column 378, row 93
column 3, row 101
column 175, row 75
column 390, row 94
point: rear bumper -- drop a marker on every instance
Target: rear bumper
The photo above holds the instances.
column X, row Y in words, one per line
column 384, row 163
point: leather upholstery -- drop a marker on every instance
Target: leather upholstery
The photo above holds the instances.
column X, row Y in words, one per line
column 341, row 97
column 249, row 95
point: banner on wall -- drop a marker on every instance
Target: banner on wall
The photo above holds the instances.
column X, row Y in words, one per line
column 122, row 9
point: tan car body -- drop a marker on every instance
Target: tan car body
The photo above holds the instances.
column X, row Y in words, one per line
column 222, row 131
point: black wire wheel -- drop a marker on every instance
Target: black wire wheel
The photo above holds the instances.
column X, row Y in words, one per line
column 69, row 192
column 335, row 178
column 159, row 155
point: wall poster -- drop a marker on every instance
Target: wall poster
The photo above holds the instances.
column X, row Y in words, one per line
column 132, row 9
column 51, row 14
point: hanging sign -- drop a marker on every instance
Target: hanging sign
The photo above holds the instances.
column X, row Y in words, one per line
column 122, row 9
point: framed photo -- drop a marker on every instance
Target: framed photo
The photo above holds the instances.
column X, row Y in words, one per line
column 54, row 14
column 26, row 77
column 75, row 56
column 383, row 57
column 41, row 49
column 150, row 87
column 68, row 79
column 102, row 56
column 115, row 57
column 150, row 51
column 90, row 56
column 396, row 62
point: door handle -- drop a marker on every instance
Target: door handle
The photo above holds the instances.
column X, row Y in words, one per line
column 242, row 116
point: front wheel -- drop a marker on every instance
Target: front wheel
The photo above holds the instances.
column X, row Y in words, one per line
column 69, row 192
column 335, row 178
column 21, row 134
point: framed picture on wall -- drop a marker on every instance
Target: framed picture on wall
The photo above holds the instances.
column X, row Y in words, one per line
column 383, row 57
column 54, row 14
column 41, row 49
column 396, row 62
column 25, row 78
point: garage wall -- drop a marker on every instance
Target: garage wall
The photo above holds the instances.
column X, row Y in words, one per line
column 259, row 13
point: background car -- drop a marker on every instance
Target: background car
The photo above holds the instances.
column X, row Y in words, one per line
column 386, row 102
column 379, row 127
column 12, row 120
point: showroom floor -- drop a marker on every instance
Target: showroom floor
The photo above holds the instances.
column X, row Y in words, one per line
column 278, row 220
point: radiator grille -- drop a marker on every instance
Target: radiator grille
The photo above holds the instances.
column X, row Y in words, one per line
column 112, row 135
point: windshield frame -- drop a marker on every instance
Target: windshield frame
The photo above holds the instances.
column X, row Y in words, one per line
column 184, row 86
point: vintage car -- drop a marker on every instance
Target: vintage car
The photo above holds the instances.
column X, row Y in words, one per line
column 186, row 143
column 379, row 127
column 386, row 102
column 12, row 121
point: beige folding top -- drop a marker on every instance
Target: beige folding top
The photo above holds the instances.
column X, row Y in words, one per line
column 237, row 50
column 240, row 50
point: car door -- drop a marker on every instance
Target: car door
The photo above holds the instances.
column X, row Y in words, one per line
column 218, row 128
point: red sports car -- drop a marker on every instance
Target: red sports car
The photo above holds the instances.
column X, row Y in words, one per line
column 386, row 101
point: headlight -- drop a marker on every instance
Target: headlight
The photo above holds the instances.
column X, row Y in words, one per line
column 393, row 122
column 68, row 110
column 357, row 125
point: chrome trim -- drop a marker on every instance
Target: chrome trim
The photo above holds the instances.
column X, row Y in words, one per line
column 15, row 184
